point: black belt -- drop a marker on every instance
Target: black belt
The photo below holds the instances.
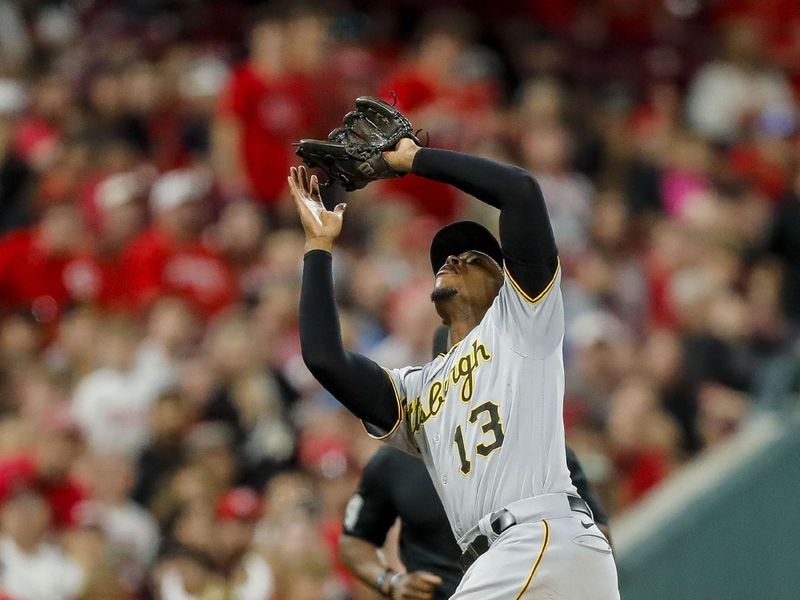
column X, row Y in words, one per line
column 502, row 520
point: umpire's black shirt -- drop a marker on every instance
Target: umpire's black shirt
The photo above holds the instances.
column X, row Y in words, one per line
column 395, row 484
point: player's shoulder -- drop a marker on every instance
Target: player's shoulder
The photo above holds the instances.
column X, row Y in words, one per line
column 511, row 288
column 412, row 375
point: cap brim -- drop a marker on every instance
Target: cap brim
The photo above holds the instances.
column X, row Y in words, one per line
column 460, row 237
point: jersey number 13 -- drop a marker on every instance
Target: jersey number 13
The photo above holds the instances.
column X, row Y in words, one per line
column 491, row 425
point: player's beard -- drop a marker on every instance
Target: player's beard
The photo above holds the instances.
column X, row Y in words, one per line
column 443, row 293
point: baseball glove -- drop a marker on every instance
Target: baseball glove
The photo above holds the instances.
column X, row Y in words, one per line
column 353, row 154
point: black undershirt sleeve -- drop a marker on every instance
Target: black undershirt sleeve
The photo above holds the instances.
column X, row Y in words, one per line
column 526, row 236
column 359, row 383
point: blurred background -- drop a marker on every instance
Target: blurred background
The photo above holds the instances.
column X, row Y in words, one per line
column 160, row 436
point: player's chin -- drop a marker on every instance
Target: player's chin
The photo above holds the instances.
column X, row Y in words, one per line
column 443, row 292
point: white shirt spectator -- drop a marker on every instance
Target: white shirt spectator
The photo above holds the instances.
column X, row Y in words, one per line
column 111, row 408
column 48, row 574
column 722, row 94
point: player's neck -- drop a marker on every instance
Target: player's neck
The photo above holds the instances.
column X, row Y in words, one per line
column 460, row 316
column 460, row 327
column 458, row 333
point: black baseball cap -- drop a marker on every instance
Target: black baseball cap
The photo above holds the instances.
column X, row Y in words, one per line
column 459, row 237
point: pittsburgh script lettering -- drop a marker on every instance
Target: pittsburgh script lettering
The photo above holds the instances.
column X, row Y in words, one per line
column 462, row 374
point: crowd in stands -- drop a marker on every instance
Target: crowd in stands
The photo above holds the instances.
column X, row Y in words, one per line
column 160, row 436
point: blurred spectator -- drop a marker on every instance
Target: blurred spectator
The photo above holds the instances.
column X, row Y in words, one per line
column 171, row 329
column 19, row 339
column 168, row 421
column 546, row 151
column 45, row 268
column 721, row 411
column 121, row 218
column 111, row 403
column 766, row 161
column 130, row 531
column 644, row 438
column 249, row 575
column 238, row 236
column 409, row 323
column 263, row 107
column 38, row 133
column 75, row 350
column 446, row 86
column 32, row 567
column 87, row 544
column 170, row 258
column 685, row 182
column 15, row 174
column 185, row 574
column 45, row 462
column 727, row 93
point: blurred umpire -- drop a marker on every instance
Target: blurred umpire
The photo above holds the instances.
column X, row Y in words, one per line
column 395, row 484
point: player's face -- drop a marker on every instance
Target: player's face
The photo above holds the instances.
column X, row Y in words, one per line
column 472, row 277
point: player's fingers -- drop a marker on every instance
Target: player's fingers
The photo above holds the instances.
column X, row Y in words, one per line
column 412, row 594
column 297, row 194
column 429, row 577
column 419, row 585
column 299, row 200
column 340, row 208
column 315, row 188
column 304, row 180
column 293, row 188
column 295, row 173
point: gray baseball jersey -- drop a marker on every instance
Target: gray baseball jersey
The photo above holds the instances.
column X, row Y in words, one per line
column 487, row 416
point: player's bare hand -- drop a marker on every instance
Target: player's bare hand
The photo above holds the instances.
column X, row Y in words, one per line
column 321, row 225
column 402, row 157
column 418, row 585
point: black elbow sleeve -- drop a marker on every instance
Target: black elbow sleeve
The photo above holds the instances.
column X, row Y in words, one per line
column 318, row 361
column 528, row 188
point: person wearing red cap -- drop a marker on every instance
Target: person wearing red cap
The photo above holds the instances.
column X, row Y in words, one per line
column 46, row 466
column 249, row 574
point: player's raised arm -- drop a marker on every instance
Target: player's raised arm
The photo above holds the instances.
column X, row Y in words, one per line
column 526, row 236
column 357, row 382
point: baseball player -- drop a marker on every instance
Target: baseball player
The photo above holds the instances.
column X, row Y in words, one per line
column 486, row 417
column 397, row 485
